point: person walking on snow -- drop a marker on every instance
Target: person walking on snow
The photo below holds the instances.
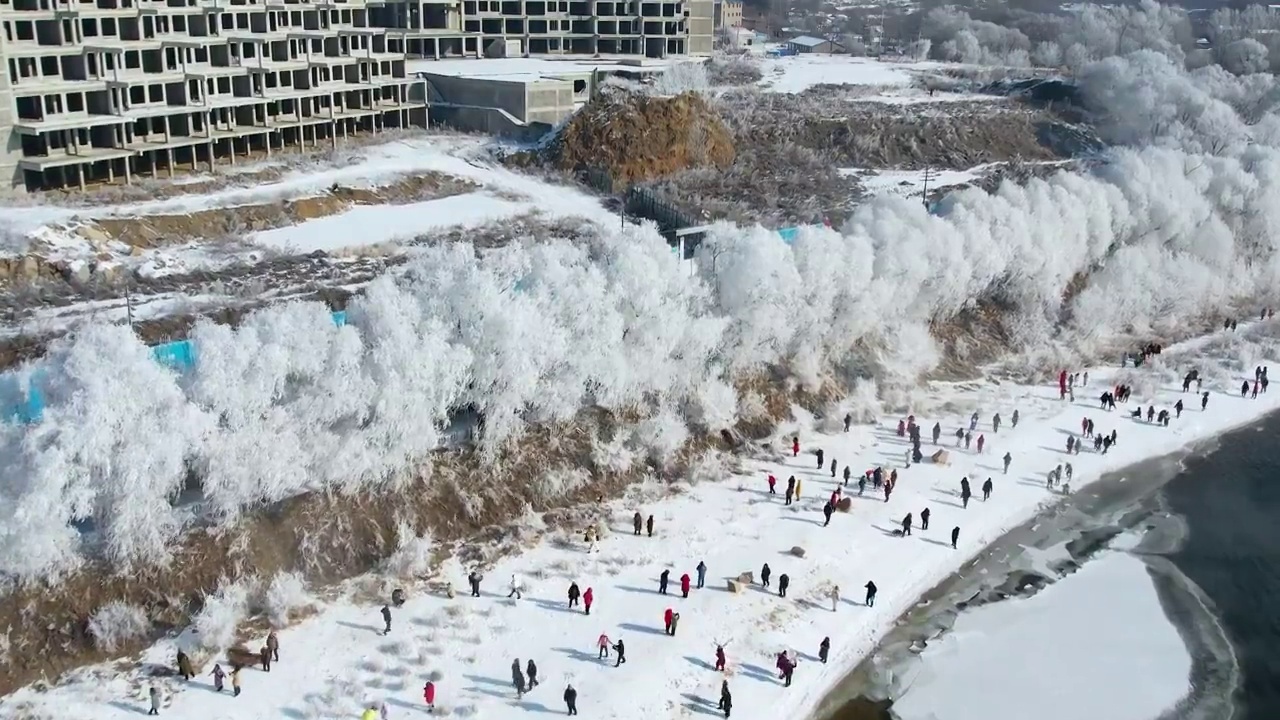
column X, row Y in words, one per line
column 1014, row 420
column 637, row 521
column 1071, row 443
column 824, row 649
column 587, row 598
column 702, row 573
column 937, row 432
column 667, row 615
column 995, row 423
column 1177, row 408
column 684, row 585
column 429, row 696
column 973, row 421
column 719, row 658
column 791, row 488
column 833, row 467
column 798, row 481
column 906, row 525
column 621, row 651
column 847, row 473
column 386, row 619
column 726, row 699
column 955, row 535
column 959, row 436
column 795, row 446
column 848, row 420
column 968, row 438
column 517, row 678
column 772, row 482
column 473, row 579
column 826, row 513
column 218, row 676
column 154, row 694
column 648, row 525
column 532, row 671
column 184, row 666
column 662, row 582
column 264, row 657
column 1007, row 459
column 870, row 600
column 783, row 583
column 571, row 699
column 235, row 681
column 924, row 519
column 982, row 440
column 574, row 594
column 835, row 598
column 820, row 463
column 273, row 644
column 987, row 487
column 516, row 587
column 1204, row 401
column 602, row 643
column 764, row 575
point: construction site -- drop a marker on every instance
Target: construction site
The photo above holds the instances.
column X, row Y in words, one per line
column 107, row 90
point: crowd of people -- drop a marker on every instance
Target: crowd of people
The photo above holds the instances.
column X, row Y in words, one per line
column 524, row 677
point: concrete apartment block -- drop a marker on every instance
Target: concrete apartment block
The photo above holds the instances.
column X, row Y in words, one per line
column 103, row 90
column 99, row 89
column 507, row 28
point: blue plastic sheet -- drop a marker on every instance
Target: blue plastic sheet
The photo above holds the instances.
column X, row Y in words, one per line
column 24, row 402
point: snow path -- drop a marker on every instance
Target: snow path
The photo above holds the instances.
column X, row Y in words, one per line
column 334, row 662
column 1097, row 626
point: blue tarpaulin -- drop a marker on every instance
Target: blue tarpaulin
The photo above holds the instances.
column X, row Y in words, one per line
column 24, row 402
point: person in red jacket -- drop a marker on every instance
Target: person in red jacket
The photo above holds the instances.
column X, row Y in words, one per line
column 720, row 658
column 587, row 598
column 429, row 696
column 1062, row 385
column 795, row 446
column 666, row 619
column 684, row 585
column 772, row 481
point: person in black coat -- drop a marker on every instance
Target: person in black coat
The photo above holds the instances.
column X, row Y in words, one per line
column 386, row 618
column 531, row 670
column 621, row 650
column 783, row 583
column 571, row 699
column 662, row 582
column 924, row 519
column 824, row 649
column 955, row 536
column 574, row 594
column 871, row 594
column 764, row 575
column 726, row 700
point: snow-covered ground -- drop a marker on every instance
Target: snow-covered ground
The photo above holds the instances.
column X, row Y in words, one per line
column 1095, row 644
column 336, row 661
column 912, row 182
column 373, row 224
column 51, row 230
column 533, row 68
column 886, row 82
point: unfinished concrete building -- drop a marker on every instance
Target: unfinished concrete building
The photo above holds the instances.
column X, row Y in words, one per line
column 102, row 90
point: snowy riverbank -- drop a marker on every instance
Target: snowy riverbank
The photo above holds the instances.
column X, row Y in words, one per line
column 335, row 662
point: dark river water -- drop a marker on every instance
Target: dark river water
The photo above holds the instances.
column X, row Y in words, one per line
column 1212, row 542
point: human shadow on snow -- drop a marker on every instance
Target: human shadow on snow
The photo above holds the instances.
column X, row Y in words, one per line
column 699, row 705
column 579, row 655
column 633, row 627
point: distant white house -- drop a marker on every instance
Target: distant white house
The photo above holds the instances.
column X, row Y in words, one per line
column 809, row 44
column 740, row 37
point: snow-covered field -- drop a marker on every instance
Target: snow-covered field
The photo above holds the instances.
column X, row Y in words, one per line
column 907, row 183
column 1094, row 644
column 336, row 661
column 886, row 82
column 51, row 230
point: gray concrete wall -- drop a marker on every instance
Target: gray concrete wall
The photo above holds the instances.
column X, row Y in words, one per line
column 10, row 141
column 488, row 120
column 508, row 95
column 701, row 26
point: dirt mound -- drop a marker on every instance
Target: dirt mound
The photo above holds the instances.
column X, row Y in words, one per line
column 152, row 230
column 635, row 137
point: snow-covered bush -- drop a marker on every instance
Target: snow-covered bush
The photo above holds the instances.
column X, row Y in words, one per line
column 117, row 623
column 285, row 594
column 221, row 615
column 412, row 556
column 681, row 76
